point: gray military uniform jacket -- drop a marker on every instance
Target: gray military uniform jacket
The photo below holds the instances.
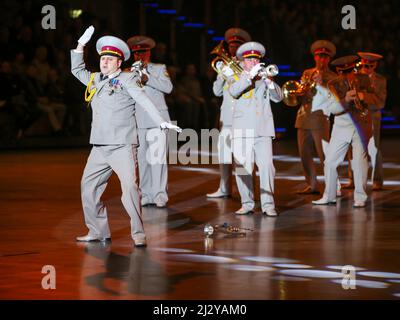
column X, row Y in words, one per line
column 252, row 113
column 156, row 87
column 220, row 89
column 113, row 105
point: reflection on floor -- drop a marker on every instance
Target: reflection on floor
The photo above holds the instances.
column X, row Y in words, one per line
column 308, row 252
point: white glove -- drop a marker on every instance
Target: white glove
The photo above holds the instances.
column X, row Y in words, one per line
column 86, row 36
column 255, row 70
column 227, row 71
column 136, row 65
column 269, row 83
column 219, row 65
column 169, row 125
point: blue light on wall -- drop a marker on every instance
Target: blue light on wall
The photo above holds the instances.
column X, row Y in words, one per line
column 280, row 129
column 290, row 74
column 217, row 38
column 151, row 5
column 193, row 25
column 210, row 31
column 391, row 126
column 284, row 67
column 388, row 119
column 180, row 18
column 166, row 11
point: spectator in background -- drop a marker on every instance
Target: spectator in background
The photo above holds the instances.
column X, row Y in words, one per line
column 41, row 64
column 196, row 106
column 35, row 92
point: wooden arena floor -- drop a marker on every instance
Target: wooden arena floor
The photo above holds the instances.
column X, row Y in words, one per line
column 298, row 255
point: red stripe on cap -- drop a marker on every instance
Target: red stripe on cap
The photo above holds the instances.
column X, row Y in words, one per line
column 236, row 39
column 321, row 50
column 251, row 53
column 137, row 47
column 112, row 49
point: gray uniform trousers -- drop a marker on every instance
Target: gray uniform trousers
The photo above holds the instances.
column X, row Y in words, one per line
column 225, row 159
column 341, row 139
column 246, row 151
column 153, row 172
column 102, row 161
column 376, row 131
column 374, row 151
column 220, row 89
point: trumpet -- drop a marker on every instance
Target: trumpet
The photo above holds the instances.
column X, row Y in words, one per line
column 137, row 68
column 292, row 90
column 227, row 60
column 269, row 71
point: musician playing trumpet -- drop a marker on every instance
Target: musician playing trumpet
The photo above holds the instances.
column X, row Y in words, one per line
column 352, row 93
column 235, row 37
column 153, row 142
column 253, row 127
column 312, row 122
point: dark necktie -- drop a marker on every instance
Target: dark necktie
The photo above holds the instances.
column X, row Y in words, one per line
column 103, row 77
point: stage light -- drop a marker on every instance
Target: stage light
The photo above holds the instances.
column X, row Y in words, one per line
column 75, row 13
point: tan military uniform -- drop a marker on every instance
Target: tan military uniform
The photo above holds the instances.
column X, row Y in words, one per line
column 313, row 127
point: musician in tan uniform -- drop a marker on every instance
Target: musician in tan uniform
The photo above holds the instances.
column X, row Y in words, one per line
column 234, row 37
column 352, row 93
column 369, row 62
column 312, row 122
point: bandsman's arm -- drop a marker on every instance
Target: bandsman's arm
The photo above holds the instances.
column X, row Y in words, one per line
column 139, row 95
column 377, row 98
column 237, row 88
column 218, row 86
column 160, row 81
column 78, row 67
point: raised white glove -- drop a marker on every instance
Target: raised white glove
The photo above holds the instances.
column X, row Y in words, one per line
column 169, row 125
column 86, row 36
column 255, row 70
column 227, row 71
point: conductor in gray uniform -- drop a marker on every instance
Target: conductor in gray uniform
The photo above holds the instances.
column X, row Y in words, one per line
column 235, row 37
column 253, row 128
column 152, row 151
column 113, row 95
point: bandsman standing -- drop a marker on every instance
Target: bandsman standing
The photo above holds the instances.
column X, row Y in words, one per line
column 312, row 121
column 235, row 37
column 152, row 151
column 253, row 128
column 352, row 93
column 369, row 62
